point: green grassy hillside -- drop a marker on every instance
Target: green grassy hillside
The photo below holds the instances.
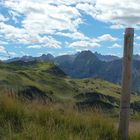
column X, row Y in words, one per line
column 46, row 82
column 53, row 106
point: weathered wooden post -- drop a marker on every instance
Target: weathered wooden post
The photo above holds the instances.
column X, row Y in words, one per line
column 126, row 84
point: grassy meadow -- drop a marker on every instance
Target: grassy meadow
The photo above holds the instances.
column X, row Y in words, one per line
column 39, row 102
column 35, row 121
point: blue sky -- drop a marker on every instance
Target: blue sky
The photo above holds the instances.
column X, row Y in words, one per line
column 35, row 27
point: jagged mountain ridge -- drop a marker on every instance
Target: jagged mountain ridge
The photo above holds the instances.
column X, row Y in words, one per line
column 87, row 64
column 62, row 58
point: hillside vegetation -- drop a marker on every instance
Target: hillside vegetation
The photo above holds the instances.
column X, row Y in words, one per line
column 87, row 64
column 46, row 82
column 36, row 121
column 38, row 101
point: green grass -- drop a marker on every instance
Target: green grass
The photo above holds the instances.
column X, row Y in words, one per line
column 35, row 121
column 56, row 120
column 50, row 80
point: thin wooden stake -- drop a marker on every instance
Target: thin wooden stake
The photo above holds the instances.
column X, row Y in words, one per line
column 126, row 84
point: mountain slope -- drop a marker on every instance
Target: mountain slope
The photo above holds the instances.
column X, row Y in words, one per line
column 87, row 65
column 42, row 58
column 81, row 65
column 106, row 58
column 84, row 65
column 46, row 82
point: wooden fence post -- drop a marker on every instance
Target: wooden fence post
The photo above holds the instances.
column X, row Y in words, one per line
column 126, row 84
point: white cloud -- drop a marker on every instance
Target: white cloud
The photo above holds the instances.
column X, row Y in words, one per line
column 138, row 38
column 106, row 37
column 87, row 43
column 84, row 45
column 74, row 35
column 117, row 26
column 34, row 47
column 87, row 8
column 70, row 2
column 21, row 36
column 118, row 12
column 41, row 20
column 45, row 42
column 50, row 42
column 82, row 37
column 2, row 49
column 115, row 46
column 42, row 17
column 11, row 32
column 3, row 42
column 2, row 18
column 56, row 2
column 51, row 16
column 14, row 15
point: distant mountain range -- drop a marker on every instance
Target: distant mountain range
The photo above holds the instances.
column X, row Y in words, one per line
column 106, row 58
column 63, row 58
column 86, row 64
column 25, row 58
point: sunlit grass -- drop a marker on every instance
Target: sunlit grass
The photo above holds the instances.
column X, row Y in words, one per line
column 20, row 120
column 35, row 121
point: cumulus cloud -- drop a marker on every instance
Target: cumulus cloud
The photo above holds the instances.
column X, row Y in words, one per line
column 59, row 15
column 82, row 45
column 74, row 35
column 11, row 32
column 115, row 46
column 116, row 12
column 41, row 20
column 106, row 37
column 42, row 17
column 81, row 36
column 21, row 36
column 88, row 43
column 45, row 42
column 87, row 8
column 35, row 46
